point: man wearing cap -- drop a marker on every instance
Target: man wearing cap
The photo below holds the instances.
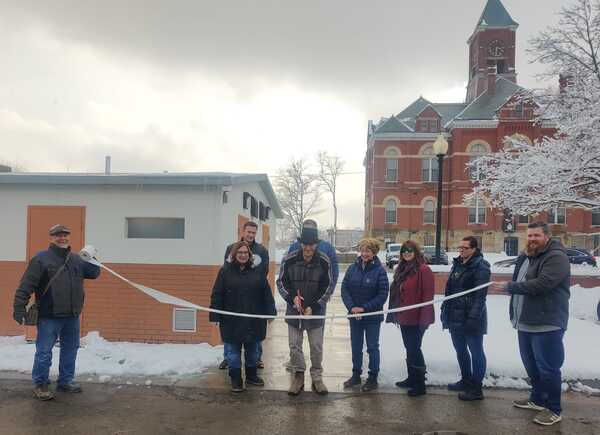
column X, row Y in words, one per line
column 56, row 277
column 306, row 283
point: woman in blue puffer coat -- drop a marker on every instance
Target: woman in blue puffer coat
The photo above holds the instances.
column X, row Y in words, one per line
column 365, row 289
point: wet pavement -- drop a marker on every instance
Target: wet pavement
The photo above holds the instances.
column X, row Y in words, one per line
column 203, row 403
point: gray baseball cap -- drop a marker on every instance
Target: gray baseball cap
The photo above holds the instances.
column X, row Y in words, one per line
column 57, row 229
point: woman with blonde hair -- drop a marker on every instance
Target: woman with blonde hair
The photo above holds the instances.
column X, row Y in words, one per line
column 365, row 289
column 413, row 284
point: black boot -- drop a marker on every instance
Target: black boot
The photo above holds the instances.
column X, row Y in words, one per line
column 473, row 392
column 370, row 384
column 237, row 383
column 252, row 377
column 353, row 381
column 418, row 386
column 461, row 385
column 407, row 383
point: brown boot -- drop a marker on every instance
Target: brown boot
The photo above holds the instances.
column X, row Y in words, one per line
column 297, row 385
column 319, row 387
column 42, row 392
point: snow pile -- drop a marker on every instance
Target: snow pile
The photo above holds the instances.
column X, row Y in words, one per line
column 501, row 346
column 584, row 302
column 99, row 356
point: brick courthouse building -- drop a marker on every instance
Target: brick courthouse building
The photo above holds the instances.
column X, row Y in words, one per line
column 402, row 172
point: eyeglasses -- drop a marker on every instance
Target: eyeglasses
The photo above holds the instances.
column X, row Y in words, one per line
column 407, row 250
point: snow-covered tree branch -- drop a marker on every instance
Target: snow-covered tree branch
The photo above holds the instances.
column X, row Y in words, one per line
column 562, row 170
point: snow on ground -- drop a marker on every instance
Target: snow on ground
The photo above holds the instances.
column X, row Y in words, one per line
column 101, row 357
column 504, row 363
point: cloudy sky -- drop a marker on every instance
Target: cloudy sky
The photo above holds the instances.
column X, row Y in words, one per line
column 237, row 86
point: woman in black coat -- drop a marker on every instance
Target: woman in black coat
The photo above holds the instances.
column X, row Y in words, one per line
column 241, row 288
column 466, row 317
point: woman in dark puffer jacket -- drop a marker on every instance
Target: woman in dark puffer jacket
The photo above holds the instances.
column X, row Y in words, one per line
column 413, row 284
column 241, row 288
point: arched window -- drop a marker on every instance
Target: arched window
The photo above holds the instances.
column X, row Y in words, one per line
column 390, row 211
column 429, row 212
column 477, row 211
column 476, row 150
column 429, row 165
column 391, row 164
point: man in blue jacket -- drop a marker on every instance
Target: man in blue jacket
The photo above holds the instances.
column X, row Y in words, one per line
column 56, row 277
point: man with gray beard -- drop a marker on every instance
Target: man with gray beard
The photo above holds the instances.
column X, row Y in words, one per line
column 539, row 311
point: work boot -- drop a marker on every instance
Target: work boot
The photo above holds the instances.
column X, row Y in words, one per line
column 370, row 385
column 223, row 365
column 473, row 392
column 69, row 388
column 353, row 381
column 319, row 387
column 418, row 386
column 297, row 385
column 41, row 392
column 407, row 383
column 461, row 385
column 237, row 383
column 252, row 377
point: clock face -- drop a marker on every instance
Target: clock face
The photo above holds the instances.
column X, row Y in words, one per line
column 496, row 48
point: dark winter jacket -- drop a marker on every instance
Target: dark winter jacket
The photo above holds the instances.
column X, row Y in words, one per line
column 241, row 291
column 546, row 287
column 66, row 295
column 327, row 249
column 312, row 279
column 366, row 287
column 260, row 256
column 467, row 314
column 417, row 288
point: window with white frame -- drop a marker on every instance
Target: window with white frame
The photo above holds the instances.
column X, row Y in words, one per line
column 429, row 165
column 390, row 211
column 184, row 320
column 391, row 170
column 477, row 150
column 429, row 212
column 477, row 211
column 557, row 215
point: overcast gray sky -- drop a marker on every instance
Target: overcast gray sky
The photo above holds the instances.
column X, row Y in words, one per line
column 237, row 86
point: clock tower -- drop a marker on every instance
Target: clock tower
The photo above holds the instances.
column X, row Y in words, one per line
column 491, row 49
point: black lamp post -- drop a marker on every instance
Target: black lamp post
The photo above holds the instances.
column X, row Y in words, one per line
column 440, row 148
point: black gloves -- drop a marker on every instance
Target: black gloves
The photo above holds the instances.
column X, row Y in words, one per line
column 19, row 315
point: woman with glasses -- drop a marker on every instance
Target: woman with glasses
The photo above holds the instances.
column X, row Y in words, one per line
column 241, row 288
column 413, row 284
column 466, row 317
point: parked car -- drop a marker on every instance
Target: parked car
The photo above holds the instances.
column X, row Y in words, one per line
column 392, row 254
column 429, row 254
column 576, row 256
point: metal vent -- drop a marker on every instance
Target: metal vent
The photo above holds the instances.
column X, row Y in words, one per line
column 184, row 320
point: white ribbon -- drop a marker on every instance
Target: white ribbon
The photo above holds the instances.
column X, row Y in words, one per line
column 165, row 298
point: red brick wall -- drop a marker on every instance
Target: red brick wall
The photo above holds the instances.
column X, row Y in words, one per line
column 122, row 313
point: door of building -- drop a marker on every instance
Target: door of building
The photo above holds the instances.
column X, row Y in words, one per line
column 39, row 220
column 511, row 246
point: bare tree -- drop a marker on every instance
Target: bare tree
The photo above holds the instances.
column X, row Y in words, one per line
column 330, row 168
column 299, row 193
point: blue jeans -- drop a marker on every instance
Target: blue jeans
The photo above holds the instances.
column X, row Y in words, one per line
column 233, row 354
column 470, row 355
column 543, row 355
column 48, row 332
column 359, row 330
column 260, row 352
column 412, row 336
